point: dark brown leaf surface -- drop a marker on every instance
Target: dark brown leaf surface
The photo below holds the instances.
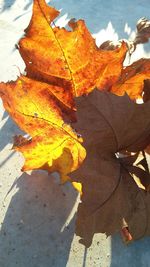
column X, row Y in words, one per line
column 110, row 124
column 143, row 31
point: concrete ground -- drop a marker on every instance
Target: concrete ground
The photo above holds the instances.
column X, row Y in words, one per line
column 37, row 215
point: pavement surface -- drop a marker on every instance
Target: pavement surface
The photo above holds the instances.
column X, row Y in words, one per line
column 37, row 214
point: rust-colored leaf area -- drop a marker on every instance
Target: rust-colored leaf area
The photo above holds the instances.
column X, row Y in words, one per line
column 80, row 123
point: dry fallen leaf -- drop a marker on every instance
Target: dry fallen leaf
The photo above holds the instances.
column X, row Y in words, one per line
column 110, row 124
column 132, row 79
column 143, row 31
column 142, row 36
column 61, row 65
column 67, row 58
column 54, row 145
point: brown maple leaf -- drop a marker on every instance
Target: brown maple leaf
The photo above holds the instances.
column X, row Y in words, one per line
column 142, row 36
column 109, row 125
column 143, row 31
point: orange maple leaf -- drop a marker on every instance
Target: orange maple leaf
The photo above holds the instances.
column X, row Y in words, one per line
column 68, row 58
column 132, row 79
column 60, row 64
column 54, row 145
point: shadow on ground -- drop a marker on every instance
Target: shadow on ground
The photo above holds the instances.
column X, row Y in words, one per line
column 135, row 254
column 9, row 3
column 98, row 14
column 31, row 232
column 7, row 131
